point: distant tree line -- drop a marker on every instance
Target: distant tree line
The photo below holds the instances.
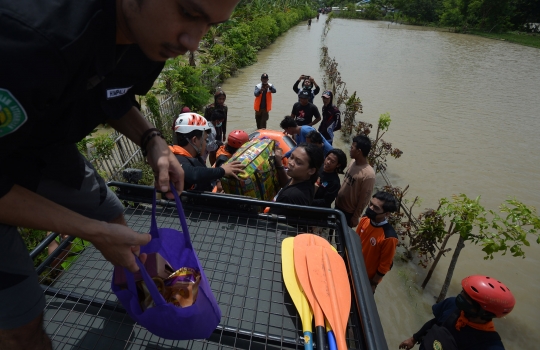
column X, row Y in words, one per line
column 462, row 15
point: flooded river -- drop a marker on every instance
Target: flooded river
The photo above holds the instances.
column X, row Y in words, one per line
column 466, row 113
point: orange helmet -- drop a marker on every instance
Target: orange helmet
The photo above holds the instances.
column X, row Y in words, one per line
column 187, row 122
column 237, row 138
column 492, row 295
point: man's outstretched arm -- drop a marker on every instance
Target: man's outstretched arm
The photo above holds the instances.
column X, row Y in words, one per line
column 24, row 208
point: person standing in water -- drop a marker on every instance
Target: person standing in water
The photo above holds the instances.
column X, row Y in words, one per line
column 263, row 101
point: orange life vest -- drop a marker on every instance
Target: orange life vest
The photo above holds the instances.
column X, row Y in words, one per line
column 180, row 151
column 223, row 152
column 258, row 99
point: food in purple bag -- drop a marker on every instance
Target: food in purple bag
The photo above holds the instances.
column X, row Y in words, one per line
column 182, row 287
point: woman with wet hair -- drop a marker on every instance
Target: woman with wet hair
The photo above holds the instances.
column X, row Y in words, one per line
column 298, row 182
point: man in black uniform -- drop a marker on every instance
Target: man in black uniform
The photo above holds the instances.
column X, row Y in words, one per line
column 66, row 67
column 303, row 111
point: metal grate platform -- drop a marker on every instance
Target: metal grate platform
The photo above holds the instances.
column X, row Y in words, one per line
column 241, row 256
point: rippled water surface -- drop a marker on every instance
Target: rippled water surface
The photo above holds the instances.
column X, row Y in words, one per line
column 466, row 113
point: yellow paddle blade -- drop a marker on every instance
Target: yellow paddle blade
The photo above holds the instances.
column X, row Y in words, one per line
column 293, row 285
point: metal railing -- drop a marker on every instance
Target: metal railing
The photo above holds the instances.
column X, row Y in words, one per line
column 125, row 152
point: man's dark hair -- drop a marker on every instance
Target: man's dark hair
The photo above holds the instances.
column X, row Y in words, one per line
column 217, row 114
column 182, row 139
column 363, row 143
column 341, row 159
column 316, row 158
column 288, row 122
column 390, row 203
column 315, row 137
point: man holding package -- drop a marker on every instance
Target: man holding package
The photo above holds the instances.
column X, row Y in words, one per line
column 66, row 68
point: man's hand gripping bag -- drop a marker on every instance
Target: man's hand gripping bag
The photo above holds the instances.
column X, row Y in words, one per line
column 166, row 320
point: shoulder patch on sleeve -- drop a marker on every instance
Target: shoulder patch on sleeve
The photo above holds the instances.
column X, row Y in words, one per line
column 12, row 113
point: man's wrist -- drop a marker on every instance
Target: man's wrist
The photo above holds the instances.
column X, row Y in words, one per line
column 150, row 140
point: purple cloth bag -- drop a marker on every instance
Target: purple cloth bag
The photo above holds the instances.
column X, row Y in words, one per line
column 197, row 321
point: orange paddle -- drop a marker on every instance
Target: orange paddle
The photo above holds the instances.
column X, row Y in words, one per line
column 330, row 283
column 318, row 240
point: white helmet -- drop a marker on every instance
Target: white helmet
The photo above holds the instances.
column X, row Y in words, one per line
column 187, row 122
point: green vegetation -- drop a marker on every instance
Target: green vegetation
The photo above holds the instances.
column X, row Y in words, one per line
column 425, row 238
column 497, row 19
column 229, row 46
column 521, row 38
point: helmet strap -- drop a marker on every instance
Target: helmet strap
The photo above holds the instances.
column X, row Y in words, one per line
column 197, row 149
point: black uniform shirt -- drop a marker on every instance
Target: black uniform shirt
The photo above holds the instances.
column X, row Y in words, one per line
column 61, row 75
column 304, row 114
column 328, row 189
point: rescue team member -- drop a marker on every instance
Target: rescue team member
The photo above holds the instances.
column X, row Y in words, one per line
column 66, row 67
column 191, row 132
column 378, row 237
column 235, row 140
column 298, row 182
column 218, row 105
column 358, row 182
column 263, row 101
column 465, row 322
column 303, row 111
column 331, row 117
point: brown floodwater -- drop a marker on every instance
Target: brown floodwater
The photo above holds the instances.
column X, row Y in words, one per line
column 466, row 113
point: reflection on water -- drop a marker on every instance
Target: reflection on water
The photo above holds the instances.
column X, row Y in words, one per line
column 465, row 111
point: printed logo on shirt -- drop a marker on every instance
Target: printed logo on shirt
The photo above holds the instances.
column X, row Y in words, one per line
column 373, row 241
column 437, row 345
column 112, row 93
column 12, row 113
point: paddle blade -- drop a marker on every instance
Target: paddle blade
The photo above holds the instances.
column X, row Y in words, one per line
column 293, row 287
column 330, row 283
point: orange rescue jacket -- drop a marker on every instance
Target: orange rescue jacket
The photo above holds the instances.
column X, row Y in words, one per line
column 258, row 99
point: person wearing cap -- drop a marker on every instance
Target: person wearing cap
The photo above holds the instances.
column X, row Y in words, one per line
column 303, row 111
column 263, row 101
column 307, row 84
column 466, row 321
column 219, row 104
column 235, row 140
column 331, row 117
column 191, row 130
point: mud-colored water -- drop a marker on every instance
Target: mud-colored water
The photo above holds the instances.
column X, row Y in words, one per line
column 466, row 112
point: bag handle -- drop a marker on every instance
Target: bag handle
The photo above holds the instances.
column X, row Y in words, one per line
column 150, row 285
column 181, row 216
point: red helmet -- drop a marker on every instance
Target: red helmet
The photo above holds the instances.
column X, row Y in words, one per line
column 492, row 295
column 237, row 138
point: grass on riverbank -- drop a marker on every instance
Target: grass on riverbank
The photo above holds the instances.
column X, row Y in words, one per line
column 526, row 39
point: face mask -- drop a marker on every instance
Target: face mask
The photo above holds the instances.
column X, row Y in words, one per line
column 197, row 149
column 218, row 125
column 371, row 214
